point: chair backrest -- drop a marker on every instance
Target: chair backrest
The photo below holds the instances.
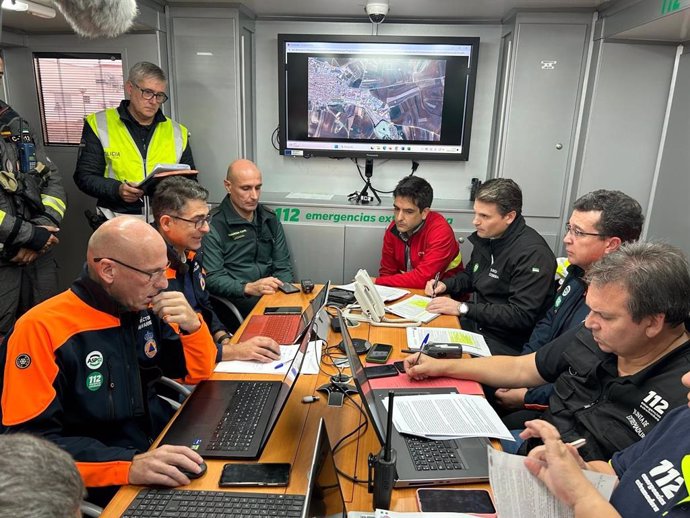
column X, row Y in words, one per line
column 227, row 312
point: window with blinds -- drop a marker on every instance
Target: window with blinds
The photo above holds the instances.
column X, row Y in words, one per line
column 71, row 86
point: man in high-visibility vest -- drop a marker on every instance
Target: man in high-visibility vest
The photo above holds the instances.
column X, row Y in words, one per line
column 120, row 146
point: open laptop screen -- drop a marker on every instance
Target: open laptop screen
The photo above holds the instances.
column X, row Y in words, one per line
column 324, row 496
column 316, row 304
column 361, row 381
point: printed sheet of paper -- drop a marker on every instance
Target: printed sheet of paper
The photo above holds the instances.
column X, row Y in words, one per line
column 413, row 308
column 287, row 353
column 381, row 513
column 447, row 416
column 519, row 494
column 472, row 343
column 387, row 293
column 309, row 196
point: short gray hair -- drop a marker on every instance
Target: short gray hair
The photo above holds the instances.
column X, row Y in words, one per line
column 173, row 193
column 37, row 479
column 655, row 275
column 145, row 70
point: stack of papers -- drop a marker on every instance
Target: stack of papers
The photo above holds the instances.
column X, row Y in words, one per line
column 386, row 292
column 519, row 494
column 472, row 343
column 447, row 416
column 413, row 308
column 287, row 353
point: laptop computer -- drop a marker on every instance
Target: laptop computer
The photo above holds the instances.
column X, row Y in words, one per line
column 420, row 462
column 324, row 497
column 285, row 329
column 234, row 419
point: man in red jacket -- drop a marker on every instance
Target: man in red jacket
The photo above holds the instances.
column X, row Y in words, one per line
column 419, row 243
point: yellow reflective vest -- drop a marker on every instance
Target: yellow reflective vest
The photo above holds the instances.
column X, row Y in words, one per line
column 123, row 160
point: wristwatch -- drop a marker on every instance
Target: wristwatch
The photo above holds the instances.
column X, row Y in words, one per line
column 463, row 308
column 226, row 336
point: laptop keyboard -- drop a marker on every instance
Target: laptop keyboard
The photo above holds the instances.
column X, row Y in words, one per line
column 168, row 503
column 282, row 328
column 429, row 455
column 237, row 427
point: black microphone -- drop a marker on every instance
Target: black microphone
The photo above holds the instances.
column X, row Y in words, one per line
column 383, row 465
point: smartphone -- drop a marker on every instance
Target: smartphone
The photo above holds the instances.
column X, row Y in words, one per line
column 473, row 501
column 381, row 371
column 379, row 353
column 283, row 310
column 288, row 288
column 255, row 474
column 400, row 366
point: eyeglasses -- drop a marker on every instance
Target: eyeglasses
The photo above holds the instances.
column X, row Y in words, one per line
column 576, row 233
column 150, row 94
column 198, row 222
column 156, row 274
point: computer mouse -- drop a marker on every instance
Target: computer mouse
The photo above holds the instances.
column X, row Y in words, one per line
column 192, row 476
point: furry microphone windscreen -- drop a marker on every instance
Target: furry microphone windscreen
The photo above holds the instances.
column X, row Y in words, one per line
column 98, row 18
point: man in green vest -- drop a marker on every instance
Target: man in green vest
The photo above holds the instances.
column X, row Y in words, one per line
column 120, row 146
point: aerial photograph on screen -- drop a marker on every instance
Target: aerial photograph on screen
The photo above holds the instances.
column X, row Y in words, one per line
column 376, row 98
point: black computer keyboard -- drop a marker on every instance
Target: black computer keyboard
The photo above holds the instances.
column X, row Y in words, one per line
column 429, row 455
column 237, row 427
column 170, row 503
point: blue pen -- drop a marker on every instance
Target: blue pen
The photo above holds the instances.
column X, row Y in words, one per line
column 421, row 349
column 279, row 365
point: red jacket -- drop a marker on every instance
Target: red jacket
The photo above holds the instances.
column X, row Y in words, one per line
column 433, row 249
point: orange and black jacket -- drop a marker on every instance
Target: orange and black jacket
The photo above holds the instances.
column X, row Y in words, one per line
column 81, row 371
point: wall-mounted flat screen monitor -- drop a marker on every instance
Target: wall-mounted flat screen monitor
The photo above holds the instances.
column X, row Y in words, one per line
column 376, row 96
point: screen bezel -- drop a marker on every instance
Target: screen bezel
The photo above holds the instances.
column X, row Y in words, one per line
column 307, row 152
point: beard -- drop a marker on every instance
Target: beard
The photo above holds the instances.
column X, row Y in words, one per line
column 98, row 18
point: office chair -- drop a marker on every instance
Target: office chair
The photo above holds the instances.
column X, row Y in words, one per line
column 90, row 510
column 227, row 312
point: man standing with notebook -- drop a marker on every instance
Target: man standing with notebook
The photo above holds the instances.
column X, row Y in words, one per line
column 120, row 146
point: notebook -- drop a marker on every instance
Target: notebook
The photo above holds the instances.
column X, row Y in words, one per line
column 234, row 419
column 324, row 496
column 285, row 329
column 420, row 462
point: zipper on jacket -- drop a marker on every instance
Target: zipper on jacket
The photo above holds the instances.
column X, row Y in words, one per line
column 111, row 389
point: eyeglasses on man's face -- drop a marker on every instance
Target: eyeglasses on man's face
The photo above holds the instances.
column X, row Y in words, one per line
column 148, row 94
column 577, row 233
column 197, row 222
column 153, row 276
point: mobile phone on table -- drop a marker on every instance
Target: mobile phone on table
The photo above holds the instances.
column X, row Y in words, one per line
column 400, row 366
column 381, row 371
column 255, row 474
column 379, row 353
column 473, row 501
column 288, row 288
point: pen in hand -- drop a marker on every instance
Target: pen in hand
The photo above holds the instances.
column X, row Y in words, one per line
column 421, row 349
column 435, row 285
column 578, row 443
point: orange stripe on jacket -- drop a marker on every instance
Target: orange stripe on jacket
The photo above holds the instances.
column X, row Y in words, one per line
column 99, row 474
column 36, row 337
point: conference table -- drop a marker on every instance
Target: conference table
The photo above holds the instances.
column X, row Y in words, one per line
column 294, row 436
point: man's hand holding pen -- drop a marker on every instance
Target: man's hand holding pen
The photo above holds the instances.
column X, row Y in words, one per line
column 434, row 287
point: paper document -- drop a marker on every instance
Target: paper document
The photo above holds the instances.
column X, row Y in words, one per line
column 381, row 513
column 287, row 352
column 447, row 416
column 413, row 308
column 519, row 494
column 387, row 293
column 472, row 343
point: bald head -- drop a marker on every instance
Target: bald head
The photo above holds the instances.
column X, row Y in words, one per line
column 125, row 237
column 240, row 168
column 243, row 184
column 128, row 258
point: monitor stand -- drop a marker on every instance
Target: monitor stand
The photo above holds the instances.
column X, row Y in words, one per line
column 362, row 197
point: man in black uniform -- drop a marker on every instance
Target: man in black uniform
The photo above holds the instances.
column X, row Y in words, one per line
column 511, row 272
column 32, row 205
column 616, row 377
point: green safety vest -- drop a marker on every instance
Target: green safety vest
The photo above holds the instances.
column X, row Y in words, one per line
column 123, row 161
